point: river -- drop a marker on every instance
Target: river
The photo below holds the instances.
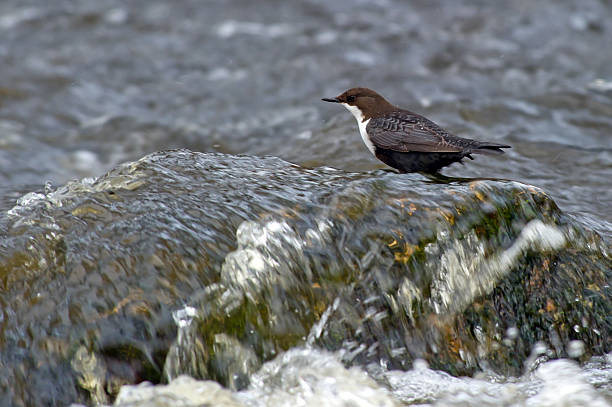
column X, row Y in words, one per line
column 88, row 86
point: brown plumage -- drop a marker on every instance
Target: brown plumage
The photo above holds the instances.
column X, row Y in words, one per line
column 405, row 140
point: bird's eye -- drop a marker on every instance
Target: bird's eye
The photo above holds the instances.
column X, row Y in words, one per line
column 350, row 99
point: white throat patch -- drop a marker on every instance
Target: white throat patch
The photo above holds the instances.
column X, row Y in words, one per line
column 362, row 125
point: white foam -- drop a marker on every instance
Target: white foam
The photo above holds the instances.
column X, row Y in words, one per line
column 310, row 377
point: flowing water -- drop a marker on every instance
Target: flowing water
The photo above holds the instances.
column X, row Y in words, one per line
column 331, row 279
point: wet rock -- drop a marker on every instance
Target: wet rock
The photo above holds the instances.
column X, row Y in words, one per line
column 249, row 257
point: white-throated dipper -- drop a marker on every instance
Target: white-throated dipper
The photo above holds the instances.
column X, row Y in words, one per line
column 405, row 140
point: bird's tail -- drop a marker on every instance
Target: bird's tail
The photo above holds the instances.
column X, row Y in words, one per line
column 489, row 148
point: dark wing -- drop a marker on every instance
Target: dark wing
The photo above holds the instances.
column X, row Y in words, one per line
column 404, row 131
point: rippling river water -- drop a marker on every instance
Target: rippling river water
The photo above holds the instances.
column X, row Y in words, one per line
column 86, row 86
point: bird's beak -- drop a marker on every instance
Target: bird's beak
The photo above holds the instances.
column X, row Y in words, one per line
column 333, row 100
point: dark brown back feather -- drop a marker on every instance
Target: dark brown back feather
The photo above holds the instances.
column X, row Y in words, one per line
column 404, row 131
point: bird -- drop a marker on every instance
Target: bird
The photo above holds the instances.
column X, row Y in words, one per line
column 405, row 140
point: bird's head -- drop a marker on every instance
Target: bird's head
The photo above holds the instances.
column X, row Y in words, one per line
column 364, row 103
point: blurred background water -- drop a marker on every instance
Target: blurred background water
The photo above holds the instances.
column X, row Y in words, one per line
column 85, row 86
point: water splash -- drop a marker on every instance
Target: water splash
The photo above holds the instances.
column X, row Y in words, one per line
column 466, row 272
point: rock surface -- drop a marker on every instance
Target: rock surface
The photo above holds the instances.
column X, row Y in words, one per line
column 250, row 257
